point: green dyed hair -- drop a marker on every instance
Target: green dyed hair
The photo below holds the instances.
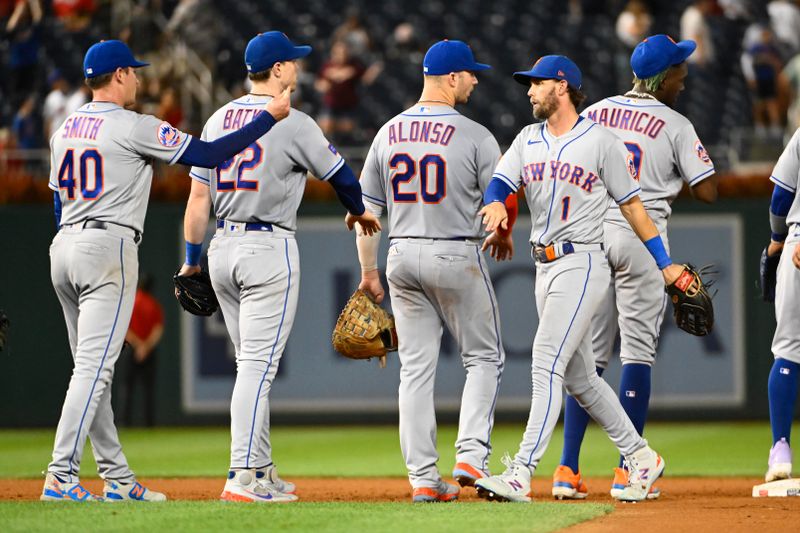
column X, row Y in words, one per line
column 653, row 82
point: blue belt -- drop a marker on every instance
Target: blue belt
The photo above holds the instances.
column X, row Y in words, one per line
column 248, row 226
column 547, row 254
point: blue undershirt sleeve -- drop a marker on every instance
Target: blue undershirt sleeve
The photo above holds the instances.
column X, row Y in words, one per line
column 205, row 154
column 348, row 189
column 779, row 206
column 497, row 191
column 57, row 209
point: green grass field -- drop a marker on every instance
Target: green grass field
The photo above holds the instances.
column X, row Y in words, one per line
column 691, row 449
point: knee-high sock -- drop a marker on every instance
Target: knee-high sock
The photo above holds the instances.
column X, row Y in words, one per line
column 782, row 397
column 634, row 394
column 575, row 422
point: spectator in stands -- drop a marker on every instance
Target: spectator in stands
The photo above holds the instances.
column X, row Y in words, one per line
column 75, row 15
column 784, row 18
column 24, row 34
column 26, row 125
column 54, row 111
column 338, row 81
column 789, row 82
column 405, row 44
column 353, row 33
column 144, row 333
column 633, row 24
column 694, row 26
column 761, row 64
column 79, row 96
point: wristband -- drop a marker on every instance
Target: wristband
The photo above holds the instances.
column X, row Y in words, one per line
column 193, row 253
column 656, row 248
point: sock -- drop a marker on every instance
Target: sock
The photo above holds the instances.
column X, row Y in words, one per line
column 634, row 394
column 782, row 392
column 575, row 422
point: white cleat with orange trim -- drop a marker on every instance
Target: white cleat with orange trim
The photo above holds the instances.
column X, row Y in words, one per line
column 244, row 486
column 645, row 466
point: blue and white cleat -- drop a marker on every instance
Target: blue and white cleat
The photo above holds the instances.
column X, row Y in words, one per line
column 244, row 486
column 115, row 491
column 645, row 466
column 513, row 485
column 56, row 490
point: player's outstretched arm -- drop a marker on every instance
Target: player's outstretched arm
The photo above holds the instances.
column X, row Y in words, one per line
column 367, row 245
column 500, row 243
column 195, row 222
column 634, row 212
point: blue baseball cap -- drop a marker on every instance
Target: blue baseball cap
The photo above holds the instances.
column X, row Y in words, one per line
column 552, row 68
column 448, row 56
column 107, row 56
column 657, row 53
column 266, row 49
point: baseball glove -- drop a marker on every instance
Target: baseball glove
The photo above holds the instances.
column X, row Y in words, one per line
column 691, row 301
column 4, row 325
column 195, row 293
column 768, row 275
column 364, row 329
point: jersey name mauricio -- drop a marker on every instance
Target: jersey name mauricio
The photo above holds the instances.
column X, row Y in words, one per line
column 664, row 145
column 101, row 162
column 265, row 182
column 787, row 174
column 569, row 181
column 429, row 167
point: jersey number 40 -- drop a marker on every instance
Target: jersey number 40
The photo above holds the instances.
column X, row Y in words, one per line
column 432, row 178
column 90, row 174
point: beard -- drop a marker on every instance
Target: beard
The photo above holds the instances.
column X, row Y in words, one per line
column 547, row 106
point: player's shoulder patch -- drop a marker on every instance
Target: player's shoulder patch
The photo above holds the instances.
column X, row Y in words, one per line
column 168, row 135
column 701, row 152
column 332, row 148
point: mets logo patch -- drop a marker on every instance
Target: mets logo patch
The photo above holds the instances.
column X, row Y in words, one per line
column 332, row 149
column 167, row 135
column 631, row 166
column 701, row 152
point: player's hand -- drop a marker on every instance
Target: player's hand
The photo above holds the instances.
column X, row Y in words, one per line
column 187, row 270
column 774, row 248
column 494, row 216
column 368, row 221
column 500, row 247
column 671, row 273
column 371, row 283
column 796, row 256
column 279, row 106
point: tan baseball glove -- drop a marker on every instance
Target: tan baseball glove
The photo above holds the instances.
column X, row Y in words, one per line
column 364, row 330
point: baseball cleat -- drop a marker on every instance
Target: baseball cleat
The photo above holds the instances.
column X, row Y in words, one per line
column 645, row 466
column 621, row 481
column 780, row 461
column 513, row 485
column 56, row 490
column 269, row 475
column 466, row 474
column 115, row 491
column 243, row 486
column 443, row 492
column 568, row 485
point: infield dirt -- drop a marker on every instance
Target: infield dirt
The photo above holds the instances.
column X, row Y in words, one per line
column 686, row 504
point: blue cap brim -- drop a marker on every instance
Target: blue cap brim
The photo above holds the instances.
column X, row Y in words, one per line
column 686, row 49
column 138, row 64
column 479, row 66
column 298, row 52
column 524, row 77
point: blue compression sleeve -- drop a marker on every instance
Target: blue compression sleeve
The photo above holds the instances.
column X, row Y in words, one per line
column 497, row 191
column 57, row 209
column 193, row 253
column 210, row 154
column 656, row 248
column 348, row 190
column 782, row 394
column 779, row 206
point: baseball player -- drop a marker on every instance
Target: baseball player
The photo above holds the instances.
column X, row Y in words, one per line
column 666, row 154
column 571, row 169
column 253, row 258
column 101, row 170
column 785, row 241
column 429, row 166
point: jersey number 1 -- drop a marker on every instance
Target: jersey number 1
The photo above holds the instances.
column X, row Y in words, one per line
column 90, row 183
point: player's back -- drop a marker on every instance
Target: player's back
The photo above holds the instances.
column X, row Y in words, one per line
column 101, row 162
column 265, row 182
column 430, row 165
column 664, row 147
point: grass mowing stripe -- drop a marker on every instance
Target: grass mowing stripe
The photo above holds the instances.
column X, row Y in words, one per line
column 317, row 517
column 690, row 449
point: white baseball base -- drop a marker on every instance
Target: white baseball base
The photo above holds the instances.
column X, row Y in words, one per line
column 777, row 489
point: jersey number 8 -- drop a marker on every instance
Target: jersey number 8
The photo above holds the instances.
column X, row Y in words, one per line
column 91, row 185
column 432, row 171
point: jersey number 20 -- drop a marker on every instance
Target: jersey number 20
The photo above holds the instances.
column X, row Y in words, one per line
column 432, row 178
column 90, row 174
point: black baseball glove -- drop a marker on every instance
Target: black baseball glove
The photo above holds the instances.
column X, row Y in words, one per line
column 768, row 275
column 195, row 293
column 4, row 325
column 691, row 301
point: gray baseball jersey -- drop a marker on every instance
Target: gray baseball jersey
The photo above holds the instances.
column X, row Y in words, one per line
column 266, row 181
column 101, row 162
column 664, row 148
column 430, row 166
column 787, row 174
column 411, row 166
column 569, row 180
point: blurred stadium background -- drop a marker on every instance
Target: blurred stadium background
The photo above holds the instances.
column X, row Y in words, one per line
column 196, row 49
